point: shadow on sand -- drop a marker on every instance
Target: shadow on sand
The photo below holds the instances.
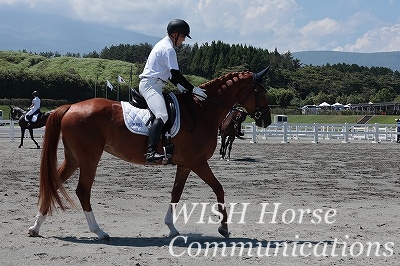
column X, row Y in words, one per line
column 185, row 241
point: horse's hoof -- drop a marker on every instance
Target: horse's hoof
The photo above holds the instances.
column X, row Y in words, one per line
column 105, row 236
column 32, row 232
column 224, row 232
column 19, row 146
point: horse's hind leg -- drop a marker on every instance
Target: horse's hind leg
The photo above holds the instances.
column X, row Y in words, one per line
column 181, row 176
column 67, row 168
column 32, row 138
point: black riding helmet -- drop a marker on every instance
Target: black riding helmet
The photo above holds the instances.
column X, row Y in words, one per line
column 35, row 93
column 179, row 26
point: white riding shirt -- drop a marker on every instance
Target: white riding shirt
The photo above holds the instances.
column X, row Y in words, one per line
column 161, row 60
column 155, row 74
column 35, row 107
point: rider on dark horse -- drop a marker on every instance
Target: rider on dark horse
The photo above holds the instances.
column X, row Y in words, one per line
column 34, row 108
column 162, row 65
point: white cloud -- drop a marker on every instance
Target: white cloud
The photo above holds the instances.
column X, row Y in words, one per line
column 384, row 39
column 261, row 23
column 326, row 26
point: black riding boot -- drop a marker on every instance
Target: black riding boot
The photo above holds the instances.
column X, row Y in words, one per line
column 29, row 118
column 154, row 135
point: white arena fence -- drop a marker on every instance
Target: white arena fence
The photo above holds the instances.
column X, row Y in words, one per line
column 285, row 132
column 316, row 133
column 11, row 130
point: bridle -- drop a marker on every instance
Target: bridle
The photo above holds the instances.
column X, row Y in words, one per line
column 15, row 114
column 259, row 110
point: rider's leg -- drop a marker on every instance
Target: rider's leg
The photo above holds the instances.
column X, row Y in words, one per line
column 29, row 115
column 154, row 135
column 151, row 89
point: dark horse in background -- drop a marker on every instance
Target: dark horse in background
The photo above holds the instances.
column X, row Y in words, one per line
column 17, row 113
column 88, row 128
column 229, row 129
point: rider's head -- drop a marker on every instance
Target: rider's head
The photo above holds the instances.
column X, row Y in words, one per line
column 178, row 26
column 35, row 93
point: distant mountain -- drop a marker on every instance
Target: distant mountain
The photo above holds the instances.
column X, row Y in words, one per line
column 46, row 33
column 318, row 58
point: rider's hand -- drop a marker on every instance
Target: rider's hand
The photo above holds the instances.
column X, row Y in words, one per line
column 180, row 88
column 199, row 93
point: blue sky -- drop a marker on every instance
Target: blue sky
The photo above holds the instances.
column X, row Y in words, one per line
column 289, row 25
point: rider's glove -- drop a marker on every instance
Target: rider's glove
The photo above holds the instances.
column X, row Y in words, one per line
column 199, row 93
column 180, row 88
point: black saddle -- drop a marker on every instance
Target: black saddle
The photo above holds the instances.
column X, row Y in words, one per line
column 139, row 102
column 37, row 112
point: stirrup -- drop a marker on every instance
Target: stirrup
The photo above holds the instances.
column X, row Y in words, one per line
column 154, row 157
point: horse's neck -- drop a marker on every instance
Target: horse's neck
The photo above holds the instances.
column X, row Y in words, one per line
column 223, row 93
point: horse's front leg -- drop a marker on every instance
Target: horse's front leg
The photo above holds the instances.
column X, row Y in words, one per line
column 222, row 151
column 32, row 138
column 22, row 137
column 181, row 176
column 230, row 141
column 203, row 170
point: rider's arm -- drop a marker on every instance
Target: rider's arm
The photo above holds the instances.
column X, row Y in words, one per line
column 177, row 77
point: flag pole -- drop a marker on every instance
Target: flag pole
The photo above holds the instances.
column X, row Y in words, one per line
column 95, row 85
column 130, row 86
column 118, row 92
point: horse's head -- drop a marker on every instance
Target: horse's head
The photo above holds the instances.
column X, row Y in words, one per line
column 16, row 112
column 253, row 97
column 257, row 106
column 242, row 88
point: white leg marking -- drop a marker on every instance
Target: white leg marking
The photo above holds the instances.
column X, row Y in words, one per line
column 93, row 226
column 34, row 230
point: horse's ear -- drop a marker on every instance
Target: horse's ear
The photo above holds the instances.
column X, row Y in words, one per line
column 260, row 75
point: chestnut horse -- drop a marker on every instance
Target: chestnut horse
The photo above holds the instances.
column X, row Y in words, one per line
column 229, row 130
column 90, row 127
column 19, row 113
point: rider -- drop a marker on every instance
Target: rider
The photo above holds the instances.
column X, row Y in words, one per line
column 162, row 65
column 34, row 108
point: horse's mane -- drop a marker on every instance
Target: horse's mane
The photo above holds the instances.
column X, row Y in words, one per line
column 223, row 82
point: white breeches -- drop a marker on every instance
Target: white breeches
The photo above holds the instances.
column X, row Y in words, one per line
column 151, row 89
column 31, row 111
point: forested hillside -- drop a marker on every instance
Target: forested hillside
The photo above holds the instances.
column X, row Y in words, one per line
column 73, row 78
column 319, row 58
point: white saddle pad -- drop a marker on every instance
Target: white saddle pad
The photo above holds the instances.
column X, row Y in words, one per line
column 136, row 119
column 34, row 118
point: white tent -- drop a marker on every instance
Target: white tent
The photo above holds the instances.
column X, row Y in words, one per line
column 324, row 104
column 337, row 106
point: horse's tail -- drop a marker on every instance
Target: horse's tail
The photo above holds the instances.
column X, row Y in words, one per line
column 50, row 181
